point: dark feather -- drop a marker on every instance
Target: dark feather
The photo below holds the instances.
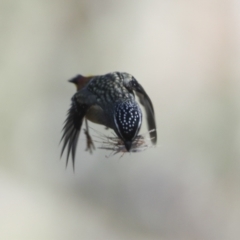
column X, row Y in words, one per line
column 72, row 127
column 148, row 106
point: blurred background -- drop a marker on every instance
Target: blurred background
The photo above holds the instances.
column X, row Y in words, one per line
column 186, row 54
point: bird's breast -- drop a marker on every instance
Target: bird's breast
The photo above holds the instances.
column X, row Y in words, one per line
column 96, row 114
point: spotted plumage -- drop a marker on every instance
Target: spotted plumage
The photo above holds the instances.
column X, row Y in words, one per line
column 108, row 100
column 109, row 88
column 128, row 119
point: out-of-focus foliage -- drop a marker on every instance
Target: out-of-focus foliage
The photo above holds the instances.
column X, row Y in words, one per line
column 186, row 54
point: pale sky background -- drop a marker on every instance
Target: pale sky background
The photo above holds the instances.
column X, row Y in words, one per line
column 186, row 54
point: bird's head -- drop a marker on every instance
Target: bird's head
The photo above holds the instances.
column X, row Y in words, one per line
column 80, row 81
column 128, row 120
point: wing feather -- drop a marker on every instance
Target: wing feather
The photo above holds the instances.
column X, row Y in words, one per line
column 147, row 104
column 72, row 127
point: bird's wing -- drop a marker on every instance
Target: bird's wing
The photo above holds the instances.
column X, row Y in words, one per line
column 72, row 127
column 144, row 99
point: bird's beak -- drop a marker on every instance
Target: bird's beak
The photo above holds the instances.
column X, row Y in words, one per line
column 75, row 79
column 128, row 145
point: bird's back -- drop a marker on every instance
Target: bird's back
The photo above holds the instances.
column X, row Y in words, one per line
column 109, row 88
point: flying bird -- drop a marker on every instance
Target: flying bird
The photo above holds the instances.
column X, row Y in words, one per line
column 108, row 100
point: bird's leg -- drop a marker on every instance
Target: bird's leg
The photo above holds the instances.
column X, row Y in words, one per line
column 90, row 146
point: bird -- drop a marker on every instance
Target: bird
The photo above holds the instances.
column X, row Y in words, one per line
column 108, row 100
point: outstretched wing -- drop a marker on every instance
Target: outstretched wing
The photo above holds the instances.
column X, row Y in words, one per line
column 72, row 127
column 147, row 104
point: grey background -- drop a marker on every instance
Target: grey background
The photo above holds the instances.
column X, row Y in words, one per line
column 186, row 54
